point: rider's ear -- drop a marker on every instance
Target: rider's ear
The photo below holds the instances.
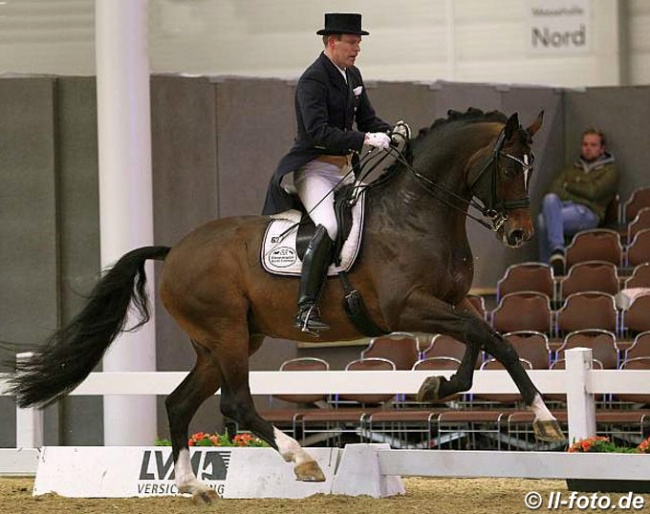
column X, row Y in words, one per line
column 512, row 125
column 536, row 125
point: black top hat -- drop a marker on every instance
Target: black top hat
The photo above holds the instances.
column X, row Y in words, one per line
column 342, row 23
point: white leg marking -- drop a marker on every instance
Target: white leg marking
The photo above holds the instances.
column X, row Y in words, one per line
column 289, row 448
column 185, row 479
column 540, row 409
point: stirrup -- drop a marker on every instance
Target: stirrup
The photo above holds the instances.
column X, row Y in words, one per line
column 308, row 321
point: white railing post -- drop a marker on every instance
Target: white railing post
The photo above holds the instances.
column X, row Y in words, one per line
column 29, row 422
column 581, row 406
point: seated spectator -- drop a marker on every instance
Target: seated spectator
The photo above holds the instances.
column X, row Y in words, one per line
column 577, row 200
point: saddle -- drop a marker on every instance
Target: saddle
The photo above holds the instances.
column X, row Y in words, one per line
column 288, row 234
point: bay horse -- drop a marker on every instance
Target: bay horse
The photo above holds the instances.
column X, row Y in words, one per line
column 414, row 271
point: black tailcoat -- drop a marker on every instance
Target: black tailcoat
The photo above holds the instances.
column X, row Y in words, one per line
column 326, row 108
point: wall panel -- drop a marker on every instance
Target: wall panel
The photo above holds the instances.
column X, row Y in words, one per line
column 29, row 308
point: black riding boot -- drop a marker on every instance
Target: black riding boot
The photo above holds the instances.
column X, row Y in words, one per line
column 314, row 270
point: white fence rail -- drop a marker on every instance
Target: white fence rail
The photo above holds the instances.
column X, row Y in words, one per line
column 578, row 381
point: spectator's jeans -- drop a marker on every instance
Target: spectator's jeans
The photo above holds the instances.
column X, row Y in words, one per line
column 558, row 219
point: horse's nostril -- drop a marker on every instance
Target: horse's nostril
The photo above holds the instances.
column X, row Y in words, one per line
column 517, row 236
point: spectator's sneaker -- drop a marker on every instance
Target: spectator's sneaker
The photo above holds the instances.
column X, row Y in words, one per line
column 558, row 263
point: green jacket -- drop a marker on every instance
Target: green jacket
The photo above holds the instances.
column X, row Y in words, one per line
column 592, row 184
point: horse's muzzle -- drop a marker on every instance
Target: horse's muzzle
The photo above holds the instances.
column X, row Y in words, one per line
column 516, row 231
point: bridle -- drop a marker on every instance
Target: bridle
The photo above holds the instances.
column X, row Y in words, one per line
column 497, row 209
column 494, row 208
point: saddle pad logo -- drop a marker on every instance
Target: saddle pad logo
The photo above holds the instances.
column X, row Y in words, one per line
column 283, row 257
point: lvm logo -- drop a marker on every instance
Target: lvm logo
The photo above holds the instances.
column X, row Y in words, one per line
column 157, row 470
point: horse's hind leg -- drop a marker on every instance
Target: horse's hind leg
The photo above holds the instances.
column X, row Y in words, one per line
column 437, row 388
column 202, row 382
column 237, row 404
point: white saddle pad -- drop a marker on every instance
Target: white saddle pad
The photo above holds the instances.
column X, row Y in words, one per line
column 279, row 255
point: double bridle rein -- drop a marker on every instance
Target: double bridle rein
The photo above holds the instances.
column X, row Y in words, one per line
column 495, row 209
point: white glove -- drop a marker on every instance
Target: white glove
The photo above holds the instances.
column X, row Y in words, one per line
column 377, row 139
column 401, row 132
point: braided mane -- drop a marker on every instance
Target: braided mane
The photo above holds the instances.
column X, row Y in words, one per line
column 471, row 115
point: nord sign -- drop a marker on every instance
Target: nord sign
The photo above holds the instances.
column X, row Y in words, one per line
column 559, row 26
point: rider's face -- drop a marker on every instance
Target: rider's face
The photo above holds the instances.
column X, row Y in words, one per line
column 344, row 51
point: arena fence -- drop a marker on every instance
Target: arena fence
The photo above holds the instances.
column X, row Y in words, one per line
column 578, row 381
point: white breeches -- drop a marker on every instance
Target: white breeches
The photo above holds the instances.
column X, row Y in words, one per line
column 314, row 181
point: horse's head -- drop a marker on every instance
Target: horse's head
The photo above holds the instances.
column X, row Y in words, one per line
column 502, row 184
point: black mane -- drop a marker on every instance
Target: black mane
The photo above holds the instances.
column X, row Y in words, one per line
column 471, row 115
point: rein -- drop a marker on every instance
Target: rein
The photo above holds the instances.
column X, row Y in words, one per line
column 495, row 210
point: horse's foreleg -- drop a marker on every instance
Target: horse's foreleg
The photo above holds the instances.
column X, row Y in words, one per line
column 545, row 425
column 237, row 404
column 202, row 382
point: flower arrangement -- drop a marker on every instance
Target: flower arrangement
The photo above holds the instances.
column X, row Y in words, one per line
column 205, row 439
column 600, row 444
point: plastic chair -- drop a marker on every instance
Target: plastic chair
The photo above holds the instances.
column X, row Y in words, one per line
column 638, row 251
column 531, row 346
column 525, row 310
column 441, row 345
column 303, row 364
column 600, row 244
column 636, row 318
column 638, row 199
column 589, row 309
column 629, row 364
column 369, row 364
column 401, row 348
column 527, row 276
column 640, row 276
column 640, row 347
column 640, row 222
column 288, row 418
column 602, row 343
column 590, row 276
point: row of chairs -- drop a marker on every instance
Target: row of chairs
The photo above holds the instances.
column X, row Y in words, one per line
column 532, row 310
column 591, row 275
column 605, row 244
column 398, row 417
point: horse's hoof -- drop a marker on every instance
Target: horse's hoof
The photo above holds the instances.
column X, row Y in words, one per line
column 204, row 497
column 429, row 390
column 548, row 431
column 309, row 472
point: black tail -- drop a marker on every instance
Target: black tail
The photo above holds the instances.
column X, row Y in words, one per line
column 71, row 353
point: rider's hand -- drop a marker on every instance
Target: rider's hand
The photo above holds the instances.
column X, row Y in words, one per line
column 377, row 139
column 401, row 132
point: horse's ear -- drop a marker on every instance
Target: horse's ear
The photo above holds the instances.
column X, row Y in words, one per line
column 536, row 125
column 512, row 125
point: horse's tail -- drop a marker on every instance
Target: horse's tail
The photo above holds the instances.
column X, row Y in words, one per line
column 71, row 353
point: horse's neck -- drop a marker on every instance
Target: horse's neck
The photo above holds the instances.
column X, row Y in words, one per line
column 407, row 199
column 403, row 212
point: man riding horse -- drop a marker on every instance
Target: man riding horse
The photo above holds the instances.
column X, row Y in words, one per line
column 329, row 97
